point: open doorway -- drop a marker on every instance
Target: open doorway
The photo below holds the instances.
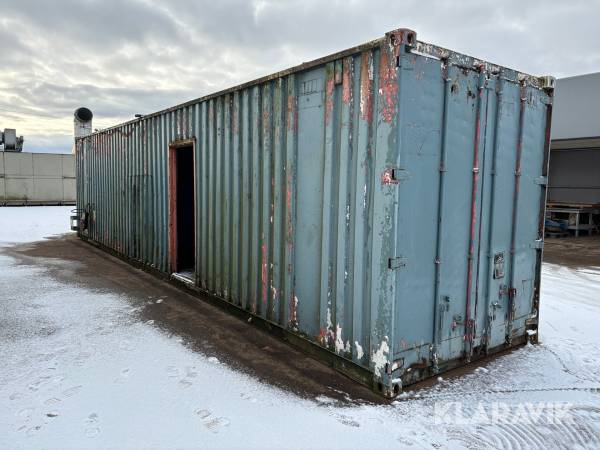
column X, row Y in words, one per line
column 182, row 202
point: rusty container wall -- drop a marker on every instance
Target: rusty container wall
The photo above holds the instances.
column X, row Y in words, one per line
column 383, row 204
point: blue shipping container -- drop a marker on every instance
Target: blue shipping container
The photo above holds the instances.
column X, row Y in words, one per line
column 382, row 207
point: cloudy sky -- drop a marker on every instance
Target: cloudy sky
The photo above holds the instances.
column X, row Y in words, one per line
column 122, row 57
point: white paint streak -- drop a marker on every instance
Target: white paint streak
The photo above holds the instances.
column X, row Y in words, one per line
column 339, row 343
column 359, row 350
column 379, row 357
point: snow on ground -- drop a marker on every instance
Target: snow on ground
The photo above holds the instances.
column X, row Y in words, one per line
column 80, row 369
column 32, row 223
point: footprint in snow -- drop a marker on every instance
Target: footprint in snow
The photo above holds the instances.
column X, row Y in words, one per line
column 92, row 432
column 25, row 413
column 92, row 418
column 217, row 423
column 33, row 430
column 72, row 391
column 57, row 378
column 122, row 378
column 38, row 383
column 248, row 397
column 214, row 424
column 405, row 441
column 44, row 357
column 184, row 384
column 172, row 371
column 203, row 413
column 346, row 420
column 126, row 345
column 81, row 358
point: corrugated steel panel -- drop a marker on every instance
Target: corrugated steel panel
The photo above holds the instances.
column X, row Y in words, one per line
column 380, row 203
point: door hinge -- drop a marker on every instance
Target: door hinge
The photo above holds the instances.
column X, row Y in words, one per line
column 396, row 262
column 505, row 290
column 537, row 244
column 542, row 181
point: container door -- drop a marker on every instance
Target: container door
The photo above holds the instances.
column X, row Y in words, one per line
column 529, row 201
column 511, row 202
column 498, row 209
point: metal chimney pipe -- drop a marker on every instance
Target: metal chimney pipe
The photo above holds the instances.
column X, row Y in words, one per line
column 82, row 122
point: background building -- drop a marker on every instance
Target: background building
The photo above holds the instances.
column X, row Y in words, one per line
column 574, row 175
column 37, row 178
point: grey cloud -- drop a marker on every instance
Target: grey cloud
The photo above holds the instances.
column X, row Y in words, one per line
column 122, row 57
column 97, row 24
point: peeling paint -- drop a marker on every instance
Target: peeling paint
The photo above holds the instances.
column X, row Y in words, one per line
column 359, row 350
column 330, row 84
column 294, row 311
column 292, row 114
column 379, row 358
column 388, row 90
column 387, row 177
column 339, row 343
column 347, row 81
column 264, row 272
column 366, row 89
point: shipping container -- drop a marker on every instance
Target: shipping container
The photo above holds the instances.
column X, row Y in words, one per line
column 381, row 207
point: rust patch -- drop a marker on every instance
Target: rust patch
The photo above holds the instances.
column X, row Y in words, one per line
column 387, row 177
column 288, row 205
column 329, row 95
column 323, row 337
column 235, row 126
column 292, row 114
column 347, row 81
column 388, row 77
column 366, row 89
